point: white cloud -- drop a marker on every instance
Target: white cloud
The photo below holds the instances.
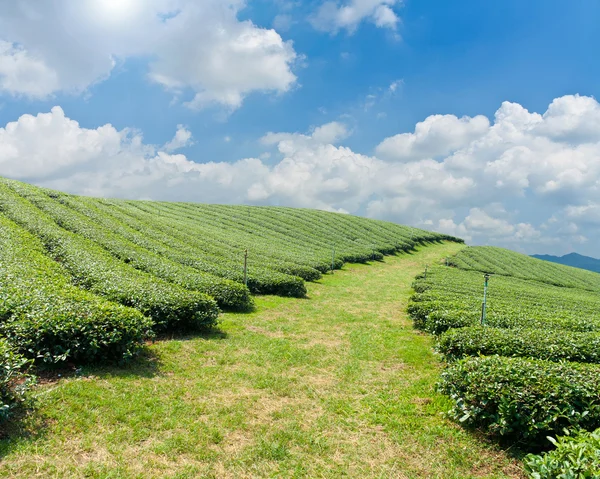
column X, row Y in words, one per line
column 478, row 221
column 437, row 135
column 448, row 226
column 51, row 144
column 332, row 132
column 492, row 220
column 21, row 74
column 484, row 228
column 193, row 46
column 588, row 214
column 333, row 16
column 53, row 150
column 515, row 182
column 385, row 17
column 182, row 138
column 573, row 119
column 222, row 62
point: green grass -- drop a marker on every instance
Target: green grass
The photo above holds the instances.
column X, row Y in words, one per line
column 335, row 385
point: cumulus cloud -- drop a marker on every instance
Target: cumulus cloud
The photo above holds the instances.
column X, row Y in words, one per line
column 22, row 74
column 54, row 150
column 196, row 48
column 574, row 119
column 524, row 180
column 437, row 135
column 182, row 138
column 481, row 226
column 587, row 214
column 541, row 167
column 332, row 132
column 333, row 16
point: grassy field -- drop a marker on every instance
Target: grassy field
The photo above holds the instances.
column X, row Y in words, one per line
column 338, row 384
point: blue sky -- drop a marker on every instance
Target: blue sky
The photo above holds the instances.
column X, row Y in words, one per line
column 370, row 69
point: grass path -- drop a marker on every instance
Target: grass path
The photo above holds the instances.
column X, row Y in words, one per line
column 337, row 385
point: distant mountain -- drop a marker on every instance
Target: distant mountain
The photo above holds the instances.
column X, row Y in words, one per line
column 572, row 259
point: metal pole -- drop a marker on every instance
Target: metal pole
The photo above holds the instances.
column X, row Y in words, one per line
column 246, row 268
column 486, row 278
column 332, row 258
column 425, row 277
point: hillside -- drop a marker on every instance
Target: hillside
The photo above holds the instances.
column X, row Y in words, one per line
column 500, row 261
column 525, row 367
column 572, row 259
column 86, row 282
column 141, row 267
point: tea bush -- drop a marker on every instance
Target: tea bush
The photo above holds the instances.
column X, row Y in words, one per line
column 523, row 400
column 526, row 343
column 94, row 275
column 46, row 318
column 451, row 298
column 228, row 293
column 575, row 456
column 14, row 381
column 500, row 261
column 171, row 307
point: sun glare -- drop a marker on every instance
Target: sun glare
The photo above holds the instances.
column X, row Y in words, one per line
column 117, row 9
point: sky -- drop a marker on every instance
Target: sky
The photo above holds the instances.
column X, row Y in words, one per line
column 477, row 119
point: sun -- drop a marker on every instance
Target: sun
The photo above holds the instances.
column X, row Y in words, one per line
column 117, row 9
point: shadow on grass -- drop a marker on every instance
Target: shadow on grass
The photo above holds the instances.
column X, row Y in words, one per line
column 249, row 310
column 25, row 425
column 213, row 334
column 146, row 365
column 28, row 424
column 508, row 446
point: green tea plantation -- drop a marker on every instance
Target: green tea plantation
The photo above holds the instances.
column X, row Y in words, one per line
column 249, row 355
column 529, row 370
column 88, row 280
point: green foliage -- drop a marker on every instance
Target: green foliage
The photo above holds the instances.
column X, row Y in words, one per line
column 299, row 238
column 171, row 307
column 73, row 326
column 203, row 252
column 526, row 343
column 505, row 262
column 451, row 298
column 321, row 378
column 46, row 318
column 14, row 381
column 576, row 456
column 523, row 400
column 86, row 278
column 93, row 225
column 539, row 315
